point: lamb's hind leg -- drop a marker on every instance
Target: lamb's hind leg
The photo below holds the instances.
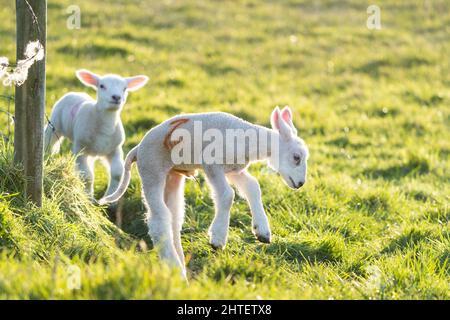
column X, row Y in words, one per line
column 174, row 198
column 160, row 220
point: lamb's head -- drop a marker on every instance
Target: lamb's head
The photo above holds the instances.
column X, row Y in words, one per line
column 112, row 90
column 291, row 159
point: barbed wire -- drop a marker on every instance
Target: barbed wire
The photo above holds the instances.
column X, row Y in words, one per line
column 10, row 117
column 35, row 19
column 11, row 98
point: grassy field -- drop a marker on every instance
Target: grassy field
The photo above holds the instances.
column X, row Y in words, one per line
column 373, row 105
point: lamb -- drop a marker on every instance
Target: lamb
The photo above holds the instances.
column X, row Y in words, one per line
column 163, row 174
column 94, row 127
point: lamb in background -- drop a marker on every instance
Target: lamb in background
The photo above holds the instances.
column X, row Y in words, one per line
column 94, row 127
column 163, row 181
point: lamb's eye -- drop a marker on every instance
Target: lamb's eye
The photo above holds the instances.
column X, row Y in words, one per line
column 297, row 158
column 102, row 87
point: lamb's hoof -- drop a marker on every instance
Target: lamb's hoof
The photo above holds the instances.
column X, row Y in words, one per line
column 217, row 239
column 262, row 236
column 217, row 246
column 263, row 239
column 218, row 243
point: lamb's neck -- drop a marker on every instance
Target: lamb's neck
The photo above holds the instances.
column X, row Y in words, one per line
column 107, row 120
column 267, row 143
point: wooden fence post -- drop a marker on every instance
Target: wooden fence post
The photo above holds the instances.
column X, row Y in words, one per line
column 30, row 98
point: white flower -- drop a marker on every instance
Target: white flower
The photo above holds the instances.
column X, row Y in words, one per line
column 18, row 75
column 3, row 62
column 34, row 51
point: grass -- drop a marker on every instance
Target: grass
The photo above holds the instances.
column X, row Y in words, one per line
column 371, row 223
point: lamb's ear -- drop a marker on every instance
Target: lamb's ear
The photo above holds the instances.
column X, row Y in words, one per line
column 286, row 115
column 88, row 78
column 279, row 124
column 135, row 83
column 275, row 118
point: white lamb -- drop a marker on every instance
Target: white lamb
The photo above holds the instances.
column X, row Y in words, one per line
column 163, row 180
column 94, row 127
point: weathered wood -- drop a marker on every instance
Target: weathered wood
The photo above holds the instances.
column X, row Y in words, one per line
column 30, row 99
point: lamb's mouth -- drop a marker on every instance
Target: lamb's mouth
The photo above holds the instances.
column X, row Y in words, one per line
column 113, row 106
column 293, row 185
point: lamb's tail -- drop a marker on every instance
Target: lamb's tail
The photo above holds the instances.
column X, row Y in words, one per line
column 52, row 140
column 125, row 180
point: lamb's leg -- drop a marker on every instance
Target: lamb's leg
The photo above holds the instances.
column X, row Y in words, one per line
column 160, row 220
column 85, row 169
column 248, row 186
column 52, row 140
column 115, row 163
column 223, row 198
column 174, row 198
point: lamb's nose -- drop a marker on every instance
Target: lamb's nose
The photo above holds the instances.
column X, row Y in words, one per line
column 116, row 98
column 300, row 184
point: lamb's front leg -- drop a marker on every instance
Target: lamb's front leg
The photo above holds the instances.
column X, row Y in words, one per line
column 85, row 169
column 248, row 186
column 223, row 198
column 115, row 161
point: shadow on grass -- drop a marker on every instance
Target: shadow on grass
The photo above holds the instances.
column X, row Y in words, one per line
column 426, row 101
column 147, row 40
column 414, row 166
column 375, row 68
column 345, row 142
column 129, row 215
column 300, row 252
column 139, row 125
column 407, row 240
column 215, row 69
column 93, row 50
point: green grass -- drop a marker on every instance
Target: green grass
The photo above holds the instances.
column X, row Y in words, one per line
column 371, row 223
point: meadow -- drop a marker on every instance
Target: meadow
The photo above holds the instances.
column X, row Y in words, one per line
column 372, row 222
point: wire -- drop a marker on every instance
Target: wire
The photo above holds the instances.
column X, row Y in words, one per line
column 10, row 98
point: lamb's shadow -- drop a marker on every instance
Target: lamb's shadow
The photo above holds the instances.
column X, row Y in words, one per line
column 129, row 215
